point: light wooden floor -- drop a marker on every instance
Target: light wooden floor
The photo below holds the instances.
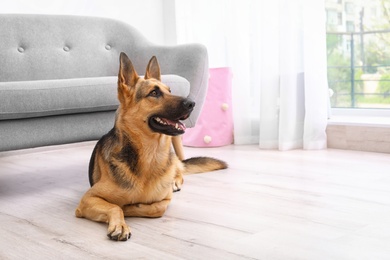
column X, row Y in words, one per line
column 330, row 204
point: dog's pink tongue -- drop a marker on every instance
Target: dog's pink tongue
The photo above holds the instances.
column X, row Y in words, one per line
column 182, row 126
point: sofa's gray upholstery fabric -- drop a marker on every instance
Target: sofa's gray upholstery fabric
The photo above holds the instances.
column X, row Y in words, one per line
column 25, row 99
column 53, row 130
column 35, row 47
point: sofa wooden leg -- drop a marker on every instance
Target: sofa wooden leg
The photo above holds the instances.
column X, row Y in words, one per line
column 178, row 146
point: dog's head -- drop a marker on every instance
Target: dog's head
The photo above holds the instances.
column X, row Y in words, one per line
column 146, row 103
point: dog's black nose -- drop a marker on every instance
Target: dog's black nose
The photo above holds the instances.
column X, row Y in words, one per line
column 188, row 103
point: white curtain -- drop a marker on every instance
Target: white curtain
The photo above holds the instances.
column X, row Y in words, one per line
column 277, row 52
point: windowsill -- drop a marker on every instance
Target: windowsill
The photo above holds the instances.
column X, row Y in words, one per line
column 360, row 117
column 368, row 121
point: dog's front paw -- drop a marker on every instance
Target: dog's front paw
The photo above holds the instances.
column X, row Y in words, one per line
column 177, row 183
column 119, row 231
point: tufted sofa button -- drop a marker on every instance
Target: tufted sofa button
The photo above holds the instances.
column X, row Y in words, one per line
column 108, row 47
column 21, row 49
column 66, row 48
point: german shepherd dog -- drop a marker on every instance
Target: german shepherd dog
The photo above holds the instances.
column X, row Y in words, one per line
column 133, row 170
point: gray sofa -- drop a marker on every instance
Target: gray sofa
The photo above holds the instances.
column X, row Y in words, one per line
column 58, row 76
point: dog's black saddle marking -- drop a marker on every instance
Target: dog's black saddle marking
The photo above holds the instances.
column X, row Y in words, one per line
column 127, row 155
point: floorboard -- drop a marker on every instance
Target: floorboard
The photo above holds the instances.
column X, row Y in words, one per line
column 329, row 204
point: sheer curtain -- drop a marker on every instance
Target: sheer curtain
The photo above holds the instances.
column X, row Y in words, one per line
column 277, row 52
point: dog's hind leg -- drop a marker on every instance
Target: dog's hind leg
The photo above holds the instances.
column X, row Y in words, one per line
column 153, row 210
column 97, row 209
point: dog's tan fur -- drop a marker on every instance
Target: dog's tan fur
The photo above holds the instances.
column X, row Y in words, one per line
column 133, row 171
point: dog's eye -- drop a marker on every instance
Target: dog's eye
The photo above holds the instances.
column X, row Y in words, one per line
column 155, row 93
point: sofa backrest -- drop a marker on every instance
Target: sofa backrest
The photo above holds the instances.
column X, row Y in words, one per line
column 41, row 47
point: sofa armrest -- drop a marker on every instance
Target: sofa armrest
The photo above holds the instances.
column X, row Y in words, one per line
column 188, row 60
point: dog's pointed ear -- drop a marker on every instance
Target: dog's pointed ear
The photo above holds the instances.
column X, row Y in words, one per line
column 127, row 74
column 153, row 69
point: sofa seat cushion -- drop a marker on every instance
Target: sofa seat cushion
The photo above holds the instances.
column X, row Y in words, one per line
column 26, row 99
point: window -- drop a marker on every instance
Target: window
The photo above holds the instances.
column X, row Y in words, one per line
column 359, row 61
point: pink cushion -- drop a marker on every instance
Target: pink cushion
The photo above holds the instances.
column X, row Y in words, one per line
column 215, row 123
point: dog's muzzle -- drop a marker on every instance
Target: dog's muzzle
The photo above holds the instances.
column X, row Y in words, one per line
column 169, row 123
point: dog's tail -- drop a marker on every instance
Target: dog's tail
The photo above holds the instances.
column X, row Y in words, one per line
column 203, row 164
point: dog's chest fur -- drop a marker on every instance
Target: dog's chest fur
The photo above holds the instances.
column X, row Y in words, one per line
column 146, row 187
column 134, row 175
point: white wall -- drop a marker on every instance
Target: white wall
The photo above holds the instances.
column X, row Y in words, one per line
column 146, row 15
